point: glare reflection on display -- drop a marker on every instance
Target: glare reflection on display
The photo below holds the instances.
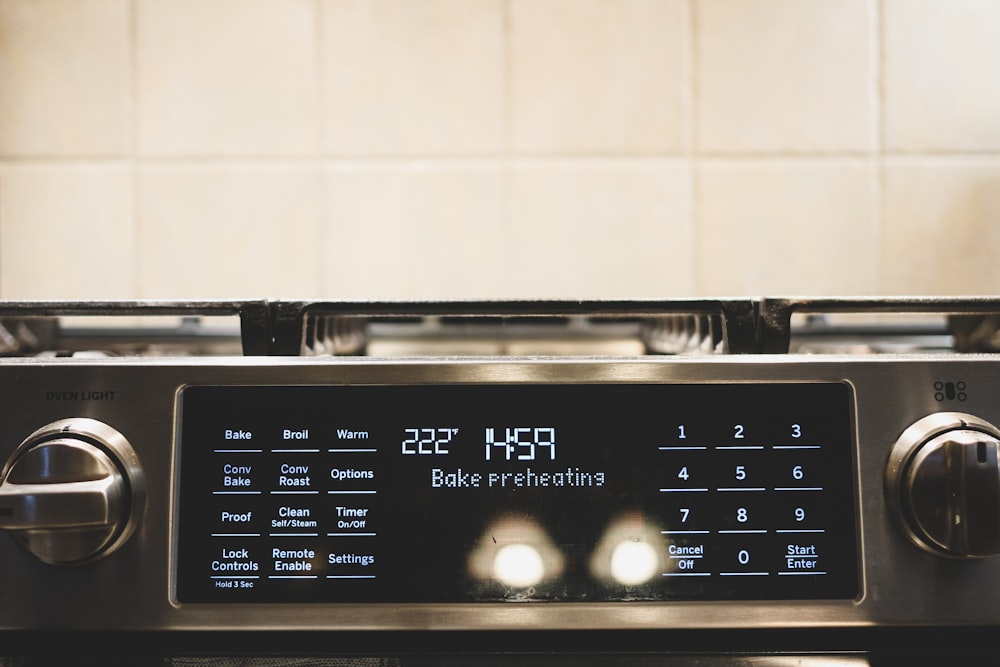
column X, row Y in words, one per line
column 634, row 563
column 518, row 565
column 631, row 552
column 516, row 552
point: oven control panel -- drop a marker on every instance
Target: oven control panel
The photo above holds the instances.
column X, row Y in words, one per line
column 492, row 492
column 187, row 497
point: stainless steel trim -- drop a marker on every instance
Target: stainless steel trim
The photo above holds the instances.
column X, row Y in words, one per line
column 902, row 585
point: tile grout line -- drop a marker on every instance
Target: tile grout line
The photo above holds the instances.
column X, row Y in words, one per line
column 2, row 287
column 319, row 34
column 505, row 284
column 876, row 31
column 134, row 160
column 508, row 78
column 325, row 232
column 690, row 93
column 281, row 162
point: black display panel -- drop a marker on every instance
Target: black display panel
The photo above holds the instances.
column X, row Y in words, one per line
column 453, row 493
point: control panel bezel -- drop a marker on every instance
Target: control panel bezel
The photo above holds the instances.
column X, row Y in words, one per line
column 598, row 493
column 132, row 590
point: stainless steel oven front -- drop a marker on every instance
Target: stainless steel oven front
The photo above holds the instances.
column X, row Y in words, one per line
column 835, row 507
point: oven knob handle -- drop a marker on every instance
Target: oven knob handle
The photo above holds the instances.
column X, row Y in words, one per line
column 942, row 484
column 72, row 492
column 26, row 505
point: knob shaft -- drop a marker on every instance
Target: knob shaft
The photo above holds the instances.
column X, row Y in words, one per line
column 72, row 492
column 942, row 485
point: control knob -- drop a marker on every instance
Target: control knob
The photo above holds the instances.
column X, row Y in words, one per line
column 942, row 485
column 72, row 492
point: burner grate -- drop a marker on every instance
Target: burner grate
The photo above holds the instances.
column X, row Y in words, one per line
column 523, row 328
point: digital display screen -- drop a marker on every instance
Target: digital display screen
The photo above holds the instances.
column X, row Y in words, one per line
column 507, row 492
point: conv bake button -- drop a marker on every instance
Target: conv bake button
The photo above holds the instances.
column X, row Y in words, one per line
column 236, row 476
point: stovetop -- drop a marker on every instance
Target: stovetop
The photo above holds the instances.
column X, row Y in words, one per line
column 614, row 328
column 236, row 476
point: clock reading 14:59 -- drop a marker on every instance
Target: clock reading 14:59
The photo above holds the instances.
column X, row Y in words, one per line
column 521, row 443
column 511, row 443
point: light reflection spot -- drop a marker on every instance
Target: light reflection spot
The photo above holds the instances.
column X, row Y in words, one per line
column 518, row 565
column 634, row 562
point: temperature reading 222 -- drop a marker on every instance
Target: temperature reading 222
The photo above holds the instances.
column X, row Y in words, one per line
column 428, row 440
column 520, row 443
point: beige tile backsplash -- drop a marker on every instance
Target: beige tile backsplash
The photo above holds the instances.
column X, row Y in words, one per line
column 413, row 230
column 597, row 76
column 784, row 76
column 942, row 226
column 65, row 79
column 227, row 231
column 825, row 208
column 66, row 231
column 412, row 78
column 600, row 228
column 498, row 148
column 942, row 90
column 226, row 77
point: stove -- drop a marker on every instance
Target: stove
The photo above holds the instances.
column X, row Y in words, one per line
column 712, row 482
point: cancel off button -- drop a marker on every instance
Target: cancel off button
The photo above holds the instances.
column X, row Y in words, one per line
column 686, row 560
